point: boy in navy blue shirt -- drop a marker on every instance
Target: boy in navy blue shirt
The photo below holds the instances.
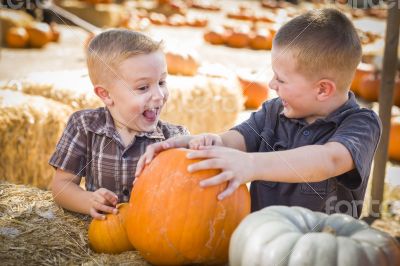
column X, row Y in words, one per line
column 313, row 145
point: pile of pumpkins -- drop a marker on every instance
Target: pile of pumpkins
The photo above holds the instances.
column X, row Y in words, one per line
column 171, row 220
column 241, row 37
column 34, row 35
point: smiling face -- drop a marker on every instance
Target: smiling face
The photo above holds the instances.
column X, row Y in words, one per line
column 140, row 91
column 297, row 92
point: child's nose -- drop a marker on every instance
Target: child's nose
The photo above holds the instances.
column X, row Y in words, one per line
column 158, row 93
column 272, row 85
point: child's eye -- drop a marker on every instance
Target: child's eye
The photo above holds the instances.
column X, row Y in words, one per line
column 162, row 83
column 280, row 81
column 143, row 88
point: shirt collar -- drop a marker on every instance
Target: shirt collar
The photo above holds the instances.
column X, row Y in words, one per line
column 335, row 116
column 105, row 126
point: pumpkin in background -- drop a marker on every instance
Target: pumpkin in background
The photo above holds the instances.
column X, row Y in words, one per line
column 39, row 34
column 173, row 221
column 363, row 70
column 17, row 37
column 109, row 235
column 281, row 235
column 238, row 38
column 370, row 86
column 215, row 36
column 261, row 40
column 254, row 89
column 181, row 63
column 394, row 139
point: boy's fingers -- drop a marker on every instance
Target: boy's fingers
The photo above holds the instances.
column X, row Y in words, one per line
column 216, row 180
column 110, row 197
column 233, row 185
column 205, row 164
column 96, row 215
column 104, row 208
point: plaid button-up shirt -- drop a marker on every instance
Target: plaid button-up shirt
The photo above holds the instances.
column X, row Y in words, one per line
column 91, row 147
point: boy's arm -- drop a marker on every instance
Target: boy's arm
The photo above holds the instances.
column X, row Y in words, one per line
column 233, row 139
column 305, row 164
column 68, row 194
column 313, row 163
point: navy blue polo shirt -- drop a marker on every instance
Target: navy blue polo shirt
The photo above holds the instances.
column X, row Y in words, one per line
column 358, row 129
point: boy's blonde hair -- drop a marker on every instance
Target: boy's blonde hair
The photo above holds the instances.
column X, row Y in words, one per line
column 324, row 43
column 108, row 49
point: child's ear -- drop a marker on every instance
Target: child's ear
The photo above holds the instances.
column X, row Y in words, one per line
column 104, row 95
column 326, row 88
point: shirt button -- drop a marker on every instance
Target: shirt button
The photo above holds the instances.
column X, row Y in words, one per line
column 306, row 132
column 125, row 192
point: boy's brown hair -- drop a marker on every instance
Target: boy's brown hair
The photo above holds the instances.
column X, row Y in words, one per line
column 324, row 43
column 108, row 49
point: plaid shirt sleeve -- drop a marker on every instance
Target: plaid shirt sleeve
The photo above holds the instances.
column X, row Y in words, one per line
column 70, row 153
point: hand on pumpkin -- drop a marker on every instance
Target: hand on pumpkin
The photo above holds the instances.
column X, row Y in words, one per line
column 198, row 141
column 103, row 201
column 236, row 167
column 154, row 149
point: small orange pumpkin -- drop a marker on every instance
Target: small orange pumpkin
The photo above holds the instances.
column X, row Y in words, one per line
column 173, row 221
column 261, row 40
column 254, row 90
column 17, row 37
column 181, row 63
column 109, row 235
column 363, row 69
column 39, row 34
column 370, row 86
column 394, row 139
column 238, row 38
column 215, row 36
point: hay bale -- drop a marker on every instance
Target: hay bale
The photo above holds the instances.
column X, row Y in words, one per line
column 29, row 130
column 12, row 18
column 203, row 103
column 208, row 102
column 100, row 15
column 72, row 88
column 35, row 231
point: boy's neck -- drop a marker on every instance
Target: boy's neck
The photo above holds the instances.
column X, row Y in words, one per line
column 329, row 107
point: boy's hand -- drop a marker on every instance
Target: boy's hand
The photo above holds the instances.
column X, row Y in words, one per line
column 103, row 201
column 202, row 140
column 236, row 167
column 154, row 149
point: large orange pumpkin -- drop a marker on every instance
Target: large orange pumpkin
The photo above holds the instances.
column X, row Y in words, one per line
column 174, row 221
column 109, row 235
column 394, row 139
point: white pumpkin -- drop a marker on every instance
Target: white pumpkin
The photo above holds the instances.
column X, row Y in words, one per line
column 281, row 235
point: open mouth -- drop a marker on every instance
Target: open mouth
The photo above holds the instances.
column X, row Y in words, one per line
column 151, row 114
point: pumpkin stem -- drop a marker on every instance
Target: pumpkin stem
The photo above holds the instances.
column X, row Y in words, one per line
column 329, row 229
